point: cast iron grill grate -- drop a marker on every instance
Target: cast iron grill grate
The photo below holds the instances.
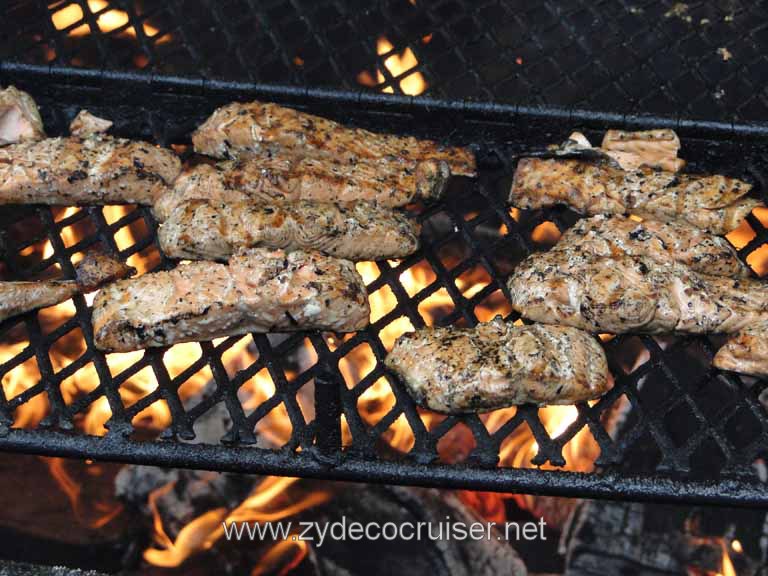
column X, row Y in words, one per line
column 692, row 433
column 699, row 59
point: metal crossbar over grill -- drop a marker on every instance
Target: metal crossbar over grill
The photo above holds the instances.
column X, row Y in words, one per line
column 320, row 405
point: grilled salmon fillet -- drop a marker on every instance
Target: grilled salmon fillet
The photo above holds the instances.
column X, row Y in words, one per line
column 716, row 204
column 94, row 170
column 285, row 178
column 93, row 271
column 632, row 294
column 610, row 235
column 239, row 128
column 497, row 364
column 258, row 291
column 19, row 117
column 20, row 297
column 746, row 352
column 215, row 231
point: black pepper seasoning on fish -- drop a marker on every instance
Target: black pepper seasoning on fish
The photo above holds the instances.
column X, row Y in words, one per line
column 497, row 364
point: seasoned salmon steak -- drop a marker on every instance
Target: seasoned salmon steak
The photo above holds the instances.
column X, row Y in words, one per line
column 201, row 230
column 746, row 352
column 632, row 294
column 286, row 178
column 258, row 291
column 93, row 271
column 716, row 204
column 98, row 169
column 665, row 243
column 241, row 128
column 19, row 117
column 497, row 364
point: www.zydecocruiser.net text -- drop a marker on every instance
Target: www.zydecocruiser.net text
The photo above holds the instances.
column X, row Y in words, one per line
column 344, row 529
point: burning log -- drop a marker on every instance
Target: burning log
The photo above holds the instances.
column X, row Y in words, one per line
column 656, row 540
column 400, row 505
column 181, row 495
column 194, row 496
column 62, row 512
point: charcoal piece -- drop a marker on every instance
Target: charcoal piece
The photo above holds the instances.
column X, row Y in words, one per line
column 612, row 538
column 24, row 569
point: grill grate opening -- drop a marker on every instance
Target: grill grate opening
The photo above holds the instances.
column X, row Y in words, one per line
column 316, row 404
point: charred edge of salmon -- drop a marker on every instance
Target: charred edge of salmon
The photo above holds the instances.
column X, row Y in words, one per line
column 517, row 192
column 465, row 163
column 432, row 179
column 97, row 269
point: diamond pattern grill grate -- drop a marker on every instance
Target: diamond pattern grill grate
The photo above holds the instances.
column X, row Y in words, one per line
column 692, row 433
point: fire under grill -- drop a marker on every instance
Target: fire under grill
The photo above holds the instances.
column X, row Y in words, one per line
column 319, row 405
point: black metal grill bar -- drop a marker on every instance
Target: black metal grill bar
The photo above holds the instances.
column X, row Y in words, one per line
column 614, row 486
column 149, row 83
column 164, row 109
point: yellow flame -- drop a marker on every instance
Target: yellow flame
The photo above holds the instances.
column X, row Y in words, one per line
column 728, row 568
column 107, row 21
column 397, row 63
column 20, row 379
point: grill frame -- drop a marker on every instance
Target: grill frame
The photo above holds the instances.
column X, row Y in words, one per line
column 323, row 459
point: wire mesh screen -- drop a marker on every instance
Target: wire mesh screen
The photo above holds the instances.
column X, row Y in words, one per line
column 698, row 59
column 320, row 404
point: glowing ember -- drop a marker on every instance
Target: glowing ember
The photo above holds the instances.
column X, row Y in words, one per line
column 396, row 64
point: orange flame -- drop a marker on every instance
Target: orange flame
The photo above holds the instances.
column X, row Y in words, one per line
column 744, row 234
column 99, row 513
column 282, row 558
column 202, row 532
